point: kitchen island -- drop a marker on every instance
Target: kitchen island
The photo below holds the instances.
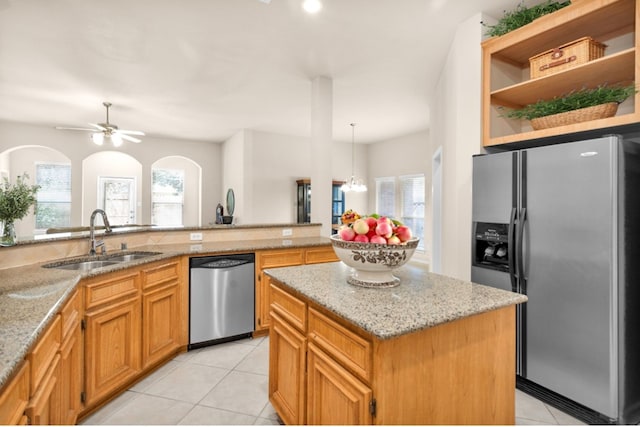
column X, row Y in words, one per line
column 434, row 350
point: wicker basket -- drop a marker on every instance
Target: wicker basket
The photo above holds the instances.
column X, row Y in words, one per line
column 566, row 56
column 576, row 116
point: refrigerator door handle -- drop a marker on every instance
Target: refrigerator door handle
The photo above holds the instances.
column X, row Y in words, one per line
column 520, row 250
column 513, row 275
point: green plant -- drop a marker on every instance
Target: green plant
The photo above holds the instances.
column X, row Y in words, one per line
column 16, row 199
column 522, row 15
column 572, row 101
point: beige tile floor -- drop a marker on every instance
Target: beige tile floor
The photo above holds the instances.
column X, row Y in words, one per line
column 227, row 384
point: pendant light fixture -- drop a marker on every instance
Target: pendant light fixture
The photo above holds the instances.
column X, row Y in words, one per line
column 353, row 184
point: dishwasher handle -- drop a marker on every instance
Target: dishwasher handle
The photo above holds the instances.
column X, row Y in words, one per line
column 218, row 262
column 223, row 263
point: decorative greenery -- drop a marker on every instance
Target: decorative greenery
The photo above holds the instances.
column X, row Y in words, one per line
column 523, row 15
column 573, row 100
column 16, row 199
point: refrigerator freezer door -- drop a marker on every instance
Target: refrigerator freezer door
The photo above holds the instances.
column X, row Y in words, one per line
column 569, row 266
column 494, row 187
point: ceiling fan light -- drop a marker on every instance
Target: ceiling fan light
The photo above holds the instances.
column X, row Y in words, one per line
column 312, row 6
column 116, row 140
column 97, row 138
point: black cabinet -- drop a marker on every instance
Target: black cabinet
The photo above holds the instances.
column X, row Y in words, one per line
column 304, row 202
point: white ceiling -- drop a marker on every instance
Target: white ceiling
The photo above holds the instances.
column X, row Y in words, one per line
column 205, row 69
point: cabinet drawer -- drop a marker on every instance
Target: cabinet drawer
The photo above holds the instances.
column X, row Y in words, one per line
column 289, row 307
column 108, row 290
column 160, row 275
column 71, row 313
column 349, row 349
column 280, row 258
column 14, row 397
column 43, row 353
column 320, row 254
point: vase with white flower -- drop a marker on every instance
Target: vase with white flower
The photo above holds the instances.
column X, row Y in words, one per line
column 15, row 202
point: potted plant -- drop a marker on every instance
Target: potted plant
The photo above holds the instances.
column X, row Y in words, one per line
column 523, row 15
column 15, row 201
column 576, row 106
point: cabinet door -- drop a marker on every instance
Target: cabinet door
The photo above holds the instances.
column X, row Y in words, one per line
column 112, row 348
column 160, row 324
column 287, row 348
column 14, row 397
column 71, row 375
column 334, row 396
column 44, row 406
column 269, row 259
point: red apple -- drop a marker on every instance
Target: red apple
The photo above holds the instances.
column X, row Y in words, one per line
column 371, row 222
column 383, row 219
column 404, row 233
column 346, row 233
column 378, row 239
column 371, row 233
column 360, row 226
column 361, row 238
column 384, row 229
column 393, row 240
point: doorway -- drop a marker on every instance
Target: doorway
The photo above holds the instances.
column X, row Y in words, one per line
column 436, row 192
column 117, row 197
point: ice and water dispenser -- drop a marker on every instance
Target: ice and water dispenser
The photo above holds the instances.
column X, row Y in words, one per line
column 491, row 246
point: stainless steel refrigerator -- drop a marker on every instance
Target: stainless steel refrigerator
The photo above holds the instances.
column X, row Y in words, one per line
column 560, row 223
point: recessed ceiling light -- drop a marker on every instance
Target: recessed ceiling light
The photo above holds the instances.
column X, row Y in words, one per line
column 312, row 6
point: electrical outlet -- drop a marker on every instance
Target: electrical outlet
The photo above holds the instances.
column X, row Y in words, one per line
column 287, row 243
column 195, row 248
column 195, row 236
column 287, row 232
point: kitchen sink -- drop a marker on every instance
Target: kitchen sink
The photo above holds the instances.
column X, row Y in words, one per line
column 103, row 261
column 131, row 257
column 82, row 265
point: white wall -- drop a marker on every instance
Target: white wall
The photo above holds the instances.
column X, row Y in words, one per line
column 76, row 146
column 406, row 155
column 456, row 127
column 279, row 160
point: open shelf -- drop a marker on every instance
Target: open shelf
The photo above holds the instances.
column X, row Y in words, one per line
column 506, row 81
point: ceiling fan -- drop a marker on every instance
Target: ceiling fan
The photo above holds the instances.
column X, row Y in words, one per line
column 108, row 130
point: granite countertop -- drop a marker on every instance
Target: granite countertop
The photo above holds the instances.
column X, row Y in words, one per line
column 30, row 296
column 422, row 300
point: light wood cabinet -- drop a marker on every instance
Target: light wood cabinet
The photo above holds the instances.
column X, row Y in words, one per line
column 320, row 254
column 71, row 361
column 15, row 397
column 271, row 259
column 334, row 395
column 287, row 348
column 506, row 81
column 112, row 347
column 44, row 406
column 160, row 312
column 282, row 258
column 460, row 372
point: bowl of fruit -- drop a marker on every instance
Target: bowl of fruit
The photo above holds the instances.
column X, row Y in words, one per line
column 373, row 246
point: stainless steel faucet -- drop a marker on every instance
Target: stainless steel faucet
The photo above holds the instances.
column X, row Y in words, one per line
column 95, row 244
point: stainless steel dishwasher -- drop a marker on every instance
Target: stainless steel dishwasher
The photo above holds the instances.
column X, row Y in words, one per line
column 222, row 298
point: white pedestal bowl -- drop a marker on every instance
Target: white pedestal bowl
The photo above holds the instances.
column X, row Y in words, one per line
column 373, row 263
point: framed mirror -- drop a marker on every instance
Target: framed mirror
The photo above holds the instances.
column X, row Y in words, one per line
column 231, row 202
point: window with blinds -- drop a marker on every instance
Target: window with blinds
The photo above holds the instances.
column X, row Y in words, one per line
column 412, row 205
column 386, row 196
column 167, row 197
column 53, row 200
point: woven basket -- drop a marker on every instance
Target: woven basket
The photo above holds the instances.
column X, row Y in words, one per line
column 566, row 56
column 576, row 116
